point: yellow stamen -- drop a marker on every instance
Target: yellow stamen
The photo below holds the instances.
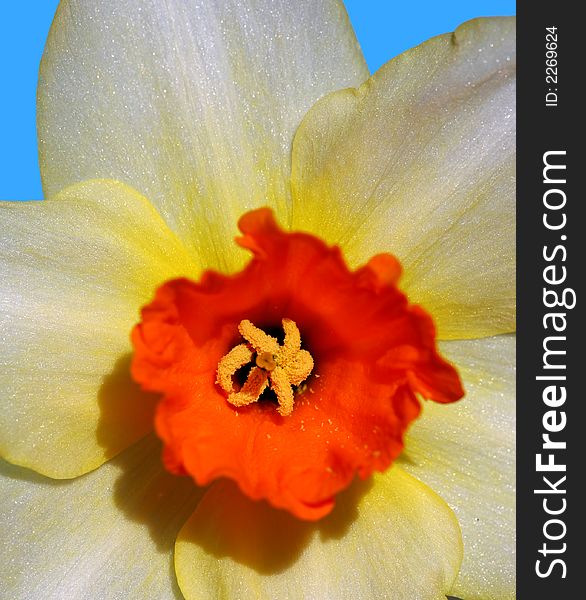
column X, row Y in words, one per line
column 278, row 366
column 237, row 357
column 282, row 388
column 252, row 389
column 257, row 338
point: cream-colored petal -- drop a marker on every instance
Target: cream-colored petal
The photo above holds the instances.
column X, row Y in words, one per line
column 192, row 102
column 104, row 536
column 466, row 453
column 74, row 272
column 419, row 162
column 389, row 538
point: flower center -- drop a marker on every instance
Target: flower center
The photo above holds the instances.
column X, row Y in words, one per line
column 278, row 367
column 266, row 361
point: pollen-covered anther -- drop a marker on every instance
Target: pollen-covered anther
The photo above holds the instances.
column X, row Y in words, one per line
column 278, row 366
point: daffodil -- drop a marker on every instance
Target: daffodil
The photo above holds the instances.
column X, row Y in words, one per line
column 162, row 127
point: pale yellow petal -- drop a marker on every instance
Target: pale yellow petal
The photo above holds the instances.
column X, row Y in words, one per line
column 74, row 272
column 104, row 536
column 192, row 102
column 388, row 538
column 419, row 162
column 466, row 453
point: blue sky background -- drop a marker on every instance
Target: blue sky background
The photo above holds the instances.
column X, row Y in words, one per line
column 384, row 28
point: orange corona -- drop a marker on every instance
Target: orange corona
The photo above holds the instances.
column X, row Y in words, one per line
column 341, row 404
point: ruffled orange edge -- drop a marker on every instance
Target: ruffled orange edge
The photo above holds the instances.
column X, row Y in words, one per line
column 373, row 353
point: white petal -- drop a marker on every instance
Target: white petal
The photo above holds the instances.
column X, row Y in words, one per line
column 389, row 538
column 419, row 162
column 105, row 536
column 466, row 453
column 192, row 102
column 74, row 272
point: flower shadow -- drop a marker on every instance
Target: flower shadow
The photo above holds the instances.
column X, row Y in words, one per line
column 144, row 490
column 147, row 494
column 254, row 534
column 126, row 411
column 25, row 475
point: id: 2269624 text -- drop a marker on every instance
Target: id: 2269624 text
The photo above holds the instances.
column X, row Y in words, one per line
column 551, row 66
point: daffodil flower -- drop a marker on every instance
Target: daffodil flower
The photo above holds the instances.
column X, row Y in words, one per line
column 163, row 126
